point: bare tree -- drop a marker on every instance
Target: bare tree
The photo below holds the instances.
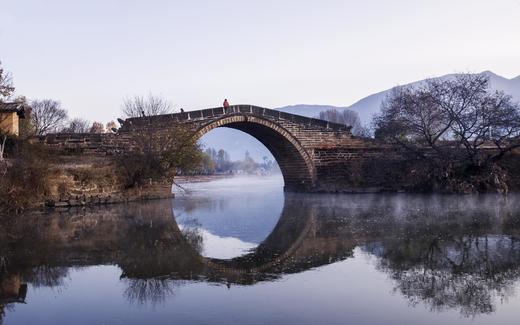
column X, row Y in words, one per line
column 346, row 117
column 77, row 125
column 146, row 106
column 97, row 127
column 6, row 90
column 6, row 84
column 460, row 120
column 47, row 116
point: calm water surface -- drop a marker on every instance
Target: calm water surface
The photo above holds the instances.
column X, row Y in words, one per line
column 235, row 252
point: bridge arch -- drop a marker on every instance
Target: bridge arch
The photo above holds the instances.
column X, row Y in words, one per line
column 295, row 162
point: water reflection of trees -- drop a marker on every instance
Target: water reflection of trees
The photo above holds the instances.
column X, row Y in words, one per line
column 449, row 252
column 151, row 291
column 3, row 309
column 192, row 233
column 46, row 276
column 40, row 249
column 465, row 272
column 463, row 253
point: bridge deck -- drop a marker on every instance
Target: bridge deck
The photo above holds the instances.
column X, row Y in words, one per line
column 238, row 109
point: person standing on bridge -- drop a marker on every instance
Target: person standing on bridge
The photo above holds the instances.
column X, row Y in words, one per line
column 226, row 105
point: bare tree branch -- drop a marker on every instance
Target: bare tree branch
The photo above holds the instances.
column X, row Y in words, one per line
column 460, row 119
column 47, row 116
column 6, row 84
column 146, row 106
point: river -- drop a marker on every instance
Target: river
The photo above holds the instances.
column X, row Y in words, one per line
column 237, row 251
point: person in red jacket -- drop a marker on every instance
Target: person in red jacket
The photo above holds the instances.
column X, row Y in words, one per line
column 226, row 105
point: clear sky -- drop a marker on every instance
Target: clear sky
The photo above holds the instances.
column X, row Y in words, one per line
column 90, row 54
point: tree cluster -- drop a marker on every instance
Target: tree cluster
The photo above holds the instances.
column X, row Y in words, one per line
column 219, row 162
column 157, row 157
column 48, row 116
column 216, row 162
column 458, row 126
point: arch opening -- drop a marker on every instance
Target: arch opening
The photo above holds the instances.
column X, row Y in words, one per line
column 294, row 161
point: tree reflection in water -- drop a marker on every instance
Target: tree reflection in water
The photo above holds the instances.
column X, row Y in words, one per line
column 448, row 252
column 3, row 308
column 193, row 234
column 462, row 253
column 151, row 291
column 464, row 272
column 46, row 276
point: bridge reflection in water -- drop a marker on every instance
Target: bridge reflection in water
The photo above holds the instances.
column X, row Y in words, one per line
column 447, row 252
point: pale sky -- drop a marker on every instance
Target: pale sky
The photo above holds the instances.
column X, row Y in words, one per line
column 91, row 54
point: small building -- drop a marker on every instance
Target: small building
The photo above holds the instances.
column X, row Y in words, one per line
column 10, row 115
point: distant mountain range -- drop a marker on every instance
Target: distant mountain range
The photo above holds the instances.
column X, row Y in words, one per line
column 370, row 105
column 236, row 143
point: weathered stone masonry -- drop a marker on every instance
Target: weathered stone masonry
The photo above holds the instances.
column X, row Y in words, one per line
column 314, row 155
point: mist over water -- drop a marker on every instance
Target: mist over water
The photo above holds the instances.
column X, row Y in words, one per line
column 240, row 250
column 232, row 185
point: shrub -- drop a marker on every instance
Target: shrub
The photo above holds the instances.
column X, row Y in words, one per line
column 158, row 157
column 25, row 176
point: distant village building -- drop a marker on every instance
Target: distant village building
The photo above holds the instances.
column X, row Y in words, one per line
column 10, row 115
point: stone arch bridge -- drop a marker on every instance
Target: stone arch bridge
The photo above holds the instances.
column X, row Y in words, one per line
column 314, row 155
column 302, row 146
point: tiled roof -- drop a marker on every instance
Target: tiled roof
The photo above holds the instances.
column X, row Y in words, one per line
column 19, row 108
column 10, row 107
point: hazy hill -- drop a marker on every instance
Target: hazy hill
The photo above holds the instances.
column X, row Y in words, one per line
column 236, row 142
column 368, row 106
